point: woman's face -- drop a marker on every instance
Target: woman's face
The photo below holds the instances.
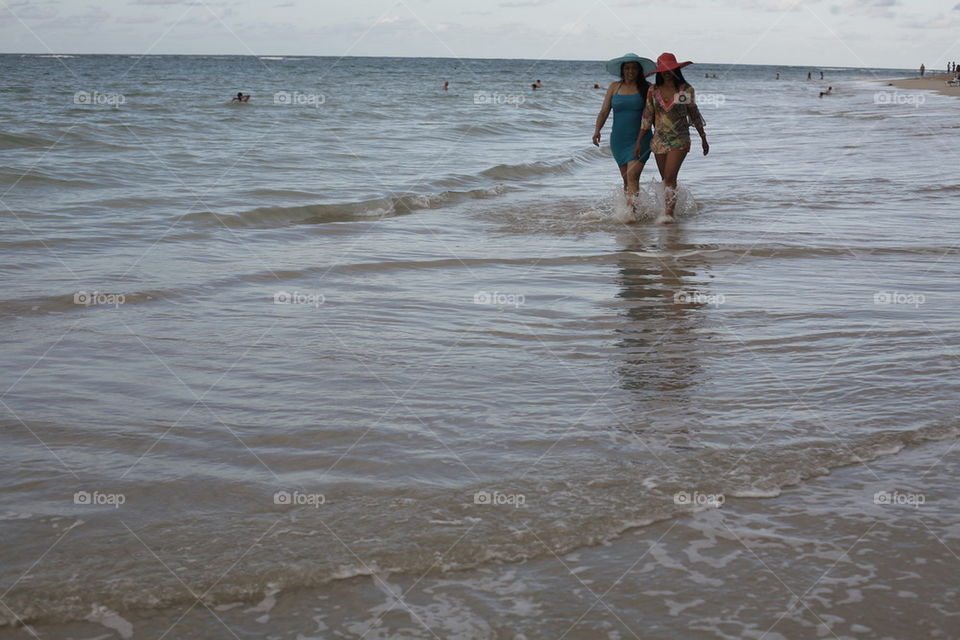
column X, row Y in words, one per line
column 631, row 71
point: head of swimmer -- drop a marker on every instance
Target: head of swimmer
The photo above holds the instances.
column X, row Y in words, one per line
column 630, row 73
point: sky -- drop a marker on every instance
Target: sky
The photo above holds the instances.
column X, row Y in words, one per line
column 818, row 33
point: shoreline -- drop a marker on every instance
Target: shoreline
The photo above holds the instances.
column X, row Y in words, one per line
column 936, row 83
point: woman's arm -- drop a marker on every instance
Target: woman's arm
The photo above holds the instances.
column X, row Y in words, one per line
column 694, row 112
column 604, row 112
column 646, row 120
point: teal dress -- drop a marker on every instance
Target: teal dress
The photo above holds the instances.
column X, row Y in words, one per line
column 627, row 113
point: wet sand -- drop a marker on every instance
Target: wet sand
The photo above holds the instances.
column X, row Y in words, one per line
column 930, row 83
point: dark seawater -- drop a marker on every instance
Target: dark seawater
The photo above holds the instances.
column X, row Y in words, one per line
column 306, row 350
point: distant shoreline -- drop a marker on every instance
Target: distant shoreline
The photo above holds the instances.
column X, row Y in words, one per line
column 936, row 83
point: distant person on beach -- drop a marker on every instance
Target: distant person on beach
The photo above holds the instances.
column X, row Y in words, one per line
column 923, row 70
column 240, row 97
column 821, row 75
column 778, row 75
column 671, row 109
column 627, row 97
column 446, row 85
column 827, row 92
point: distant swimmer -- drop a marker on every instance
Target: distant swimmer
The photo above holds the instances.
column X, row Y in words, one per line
column 827, row 92
column 241, row 97
column 533, row 86
column 596, row 86
column 539, row 84
column 446, row 85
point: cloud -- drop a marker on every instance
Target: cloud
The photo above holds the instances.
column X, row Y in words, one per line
column 140, row 18
column 514, row 4
column 869, row 8
column 774, row 6
column 164, row 2
column 92, row 17
column 26, row 10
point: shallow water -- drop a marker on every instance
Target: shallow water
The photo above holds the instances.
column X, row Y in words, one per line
column 480, row 363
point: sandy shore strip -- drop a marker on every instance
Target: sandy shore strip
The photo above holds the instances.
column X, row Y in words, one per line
column 931, row 83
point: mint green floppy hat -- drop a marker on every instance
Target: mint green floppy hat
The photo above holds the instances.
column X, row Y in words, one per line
column 647, row 66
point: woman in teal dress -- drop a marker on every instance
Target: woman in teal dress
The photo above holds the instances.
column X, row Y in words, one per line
column 627, row 97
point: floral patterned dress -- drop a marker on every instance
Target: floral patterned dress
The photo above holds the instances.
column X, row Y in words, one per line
column 671, row 121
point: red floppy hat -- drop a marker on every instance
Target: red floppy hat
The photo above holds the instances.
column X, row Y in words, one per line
column 668, row 62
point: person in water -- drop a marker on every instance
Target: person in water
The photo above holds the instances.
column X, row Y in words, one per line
column 627, row 97
column 671, row 109
column 827, row 92
column 240, row 97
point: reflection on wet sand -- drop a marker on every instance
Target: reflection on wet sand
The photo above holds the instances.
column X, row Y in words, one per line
column 665, row 315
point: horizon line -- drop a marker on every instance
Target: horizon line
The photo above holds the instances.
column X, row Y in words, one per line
column 280, row 55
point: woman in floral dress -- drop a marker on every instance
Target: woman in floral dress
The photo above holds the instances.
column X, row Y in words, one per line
column 671, row 109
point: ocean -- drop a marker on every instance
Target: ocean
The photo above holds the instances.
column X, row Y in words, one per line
column 363, row 358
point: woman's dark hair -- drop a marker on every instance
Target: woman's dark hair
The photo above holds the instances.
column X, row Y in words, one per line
column 677, row 74
column 642, row 83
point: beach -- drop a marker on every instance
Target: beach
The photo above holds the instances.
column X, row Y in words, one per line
column 364, row 358
column 936, row 83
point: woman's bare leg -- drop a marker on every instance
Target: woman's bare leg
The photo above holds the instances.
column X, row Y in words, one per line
column 661, row 163
column 623, row 174
column 670, row 170
column 634, row 169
